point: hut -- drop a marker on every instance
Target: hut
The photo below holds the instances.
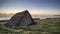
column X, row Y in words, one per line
column 20, row 19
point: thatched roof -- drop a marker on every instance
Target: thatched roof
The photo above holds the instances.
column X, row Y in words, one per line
column 20, row 19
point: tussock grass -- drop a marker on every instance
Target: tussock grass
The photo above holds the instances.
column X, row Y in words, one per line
column 43, row 26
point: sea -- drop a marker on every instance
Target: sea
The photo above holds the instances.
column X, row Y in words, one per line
column 41, row 17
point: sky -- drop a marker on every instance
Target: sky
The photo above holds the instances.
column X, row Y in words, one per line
column 35, row 7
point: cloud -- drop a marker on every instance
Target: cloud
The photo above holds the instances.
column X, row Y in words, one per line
column 32, row 11
column 45, row 12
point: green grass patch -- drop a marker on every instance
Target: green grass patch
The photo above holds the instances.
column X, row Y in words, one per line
column 43, row 26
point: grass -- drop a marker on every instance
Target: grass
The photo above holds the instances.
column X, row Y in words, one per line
column 43, row 26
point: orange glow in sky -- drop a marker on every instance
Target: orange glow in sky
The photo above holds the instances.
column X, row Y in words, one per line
column 32, row 12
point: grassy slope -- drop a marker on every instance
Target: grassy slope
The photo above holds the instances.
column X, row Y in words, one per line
column 43, row 26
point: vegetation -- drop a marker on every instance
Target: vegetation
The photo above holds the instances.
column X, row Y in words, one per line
column 43, row 26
